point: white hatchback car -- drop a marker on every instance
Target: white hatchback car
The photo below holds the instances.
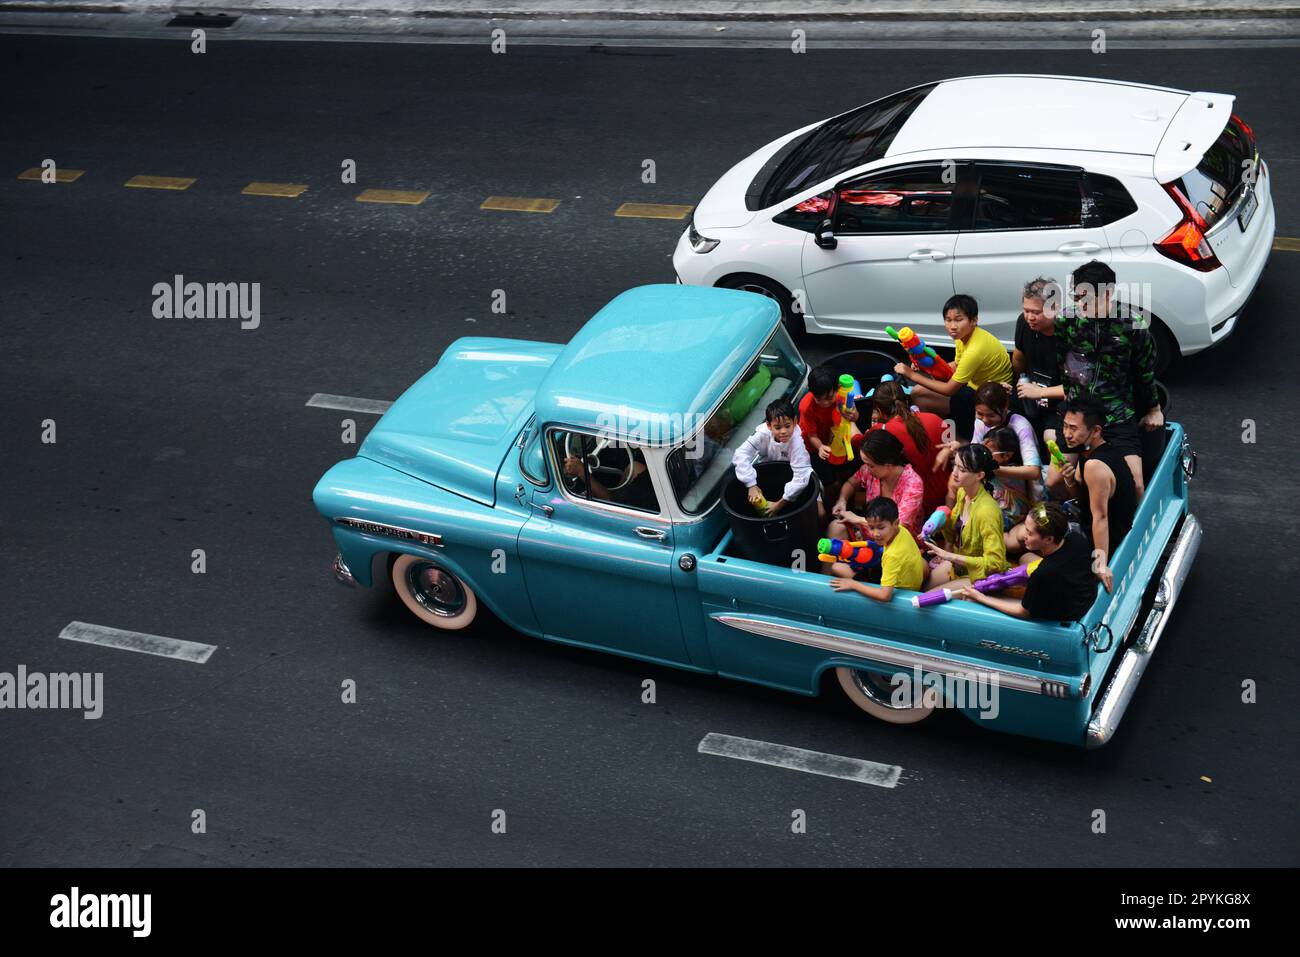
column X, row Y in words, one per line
column 977, row 185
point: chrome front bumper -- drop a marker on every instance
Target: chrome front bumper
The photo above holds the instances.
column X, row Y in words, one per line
column 1114, row 700
column 342, row 574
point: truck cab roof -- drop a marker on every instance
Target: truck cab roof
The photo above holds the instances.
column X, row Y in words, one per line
column 654, row 361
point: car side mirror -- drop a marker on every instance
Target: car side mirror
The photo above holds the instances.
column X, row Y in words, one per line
column 825, row 235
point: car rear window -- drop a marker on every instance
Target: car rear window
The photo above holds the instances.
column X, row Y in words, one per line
column 1106, row 200
column 1215, row 185
column 840, row 144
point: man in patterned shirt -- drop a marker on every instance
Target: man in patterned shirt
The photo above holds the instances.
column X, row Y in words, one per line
column 1106, row 349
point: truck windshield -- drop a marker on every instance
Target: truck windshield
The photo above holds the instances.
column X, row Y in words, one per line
column 699, row 468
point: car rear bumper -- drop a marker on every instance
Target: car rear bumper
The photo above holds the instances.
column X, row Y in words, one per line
column 1224, row 314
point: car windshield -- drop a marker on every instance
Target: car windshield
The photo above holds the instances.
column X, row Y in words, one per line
column 842, row 143
column 699, row 468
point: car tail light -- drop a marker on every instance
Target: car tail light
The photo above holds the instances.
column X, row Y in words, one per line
column 1186, row 242
column 1245, row 128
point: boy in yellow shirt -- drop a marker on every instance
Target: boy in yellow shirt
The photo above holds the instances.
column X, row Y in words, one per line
column 901, row 564
column 980, row 358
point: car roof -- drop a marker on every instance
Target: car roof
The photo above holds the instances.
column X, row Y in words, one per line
column 654, row 360
column 1040, row 112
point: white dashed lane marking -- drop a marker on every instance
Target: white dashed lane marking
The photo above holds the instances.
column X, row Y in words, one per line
column 797, row 759
column 138, row 641
column 348, row 403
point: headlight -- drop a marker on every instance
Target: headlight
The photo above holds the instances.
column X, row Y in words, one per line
column 701, row 244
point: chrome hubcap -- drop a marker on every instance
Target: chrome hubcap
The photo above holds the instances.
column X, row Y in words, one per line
column 435, row 589
column 876, row 688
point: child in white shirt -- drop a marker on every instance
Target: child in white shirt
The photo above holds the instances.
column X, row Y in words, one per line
column 778, row 440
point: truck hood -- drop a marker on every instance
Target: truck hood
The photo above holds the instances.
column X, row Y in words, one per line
column 453, row 427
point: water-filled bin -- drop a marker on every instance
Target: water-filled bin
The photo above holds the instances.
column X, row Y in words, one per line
column 773, row 540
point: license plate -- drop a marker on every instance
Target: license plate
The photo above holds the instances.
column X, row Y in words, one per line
column 1248, row 210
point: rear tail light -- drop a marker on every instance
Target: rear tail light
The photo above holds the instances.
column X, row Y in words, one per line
column 1186, row 242
column 1245, row 128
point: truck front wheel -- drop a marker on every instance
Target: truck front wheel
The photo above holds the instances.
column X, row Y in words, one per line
column 872, row 693
column 433, row 594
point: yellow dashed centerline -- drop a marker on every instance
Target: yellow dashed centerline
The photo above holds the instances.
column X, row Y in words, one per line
column 653, row 211
column 290, row 190
column 60, row 175
column 1286, row 244
column 406, row 197
column 161, row 182
column 520, row 204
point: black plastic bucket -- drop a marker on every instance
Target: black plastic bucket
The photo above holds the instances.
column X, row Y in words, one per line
column 773, row 540
column 867, row 366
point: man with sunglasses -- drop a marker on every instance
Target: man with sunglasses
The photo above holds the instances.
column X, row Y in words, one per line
column 1062, row 587
column 1105, row 349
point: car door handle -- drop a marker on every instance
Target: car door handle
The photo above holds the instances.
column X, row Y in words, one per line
column 1083, row 246
column 657, row 534
column 927, row 255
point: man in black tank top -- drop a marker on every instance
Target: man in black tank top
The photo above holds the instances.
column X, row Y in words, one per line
column 1102, row 484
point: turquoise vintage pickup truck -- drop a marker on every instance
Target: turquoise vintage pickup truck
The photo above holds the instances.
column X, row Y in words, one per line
column 574, row 490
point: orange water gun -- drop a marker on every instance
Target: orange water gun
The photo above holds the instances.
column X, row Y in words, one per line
column 858, row 554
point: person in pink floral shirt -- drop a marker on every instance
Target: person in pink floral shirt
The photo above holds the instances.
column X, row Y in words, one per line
column 884, row 472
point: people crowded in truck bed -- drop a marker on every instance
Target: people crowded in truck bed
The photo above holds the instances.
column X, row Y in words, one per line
column 1027, row 486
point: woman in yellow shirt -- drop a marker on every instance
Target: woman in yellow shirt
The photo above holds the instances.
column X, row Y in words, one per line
column 980, row 358
column 975, row 527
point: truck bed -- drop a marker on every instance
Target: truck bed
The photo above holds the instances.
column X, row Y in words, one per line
column 1064, row 681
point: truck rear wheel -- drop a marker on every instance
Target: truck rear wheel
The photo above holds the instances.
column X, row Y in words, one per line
column 433, row 594
column 872, row 693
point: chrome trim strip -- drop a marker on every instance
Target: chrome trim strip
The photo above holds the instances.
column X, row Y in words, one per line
column 887, row 654
column 1114, row 700
column 390, row 531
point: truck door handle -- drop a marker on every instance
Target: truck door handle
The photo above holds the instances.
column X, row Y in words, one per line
column 1082, row 246
column 657, row 534
column 520, row 496
column 927, row 255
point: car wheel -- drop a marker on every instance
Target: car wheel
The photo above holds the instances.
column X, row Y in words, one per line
column 872, row 693
column 1166, row 347
column 792, row 320
column 433, row 594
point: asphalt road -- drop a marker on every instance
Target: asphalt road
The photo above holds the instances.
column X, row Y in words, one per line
column 181, row 434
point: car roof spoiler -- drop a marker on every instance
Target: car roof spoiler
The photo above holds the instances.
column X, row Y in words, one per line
column 1191, row 132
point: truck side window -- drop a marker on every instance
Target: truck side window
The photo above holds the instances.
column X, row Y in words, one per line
column 603, row 470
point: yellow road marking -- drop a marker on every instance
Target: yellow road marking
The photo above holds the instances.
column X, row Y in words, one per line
column 520, row 204
column 161, row 182
column 60, row 175
column 291, row 190
column 408, row 197
column 653, row 211
column 1287, row 244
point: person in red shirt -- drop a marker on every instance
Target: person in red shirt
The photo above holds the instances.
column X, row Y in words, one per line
column 922, row 435
column 816, row 412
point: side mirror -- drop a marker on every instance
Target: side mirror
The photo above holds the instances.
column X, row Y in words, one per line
column 825, row 235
